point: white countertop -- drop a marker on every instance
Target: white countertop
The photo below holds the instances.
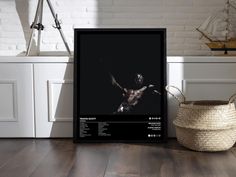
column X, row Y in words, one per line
column 36, row 59
column 67, row 59
column 201, row 59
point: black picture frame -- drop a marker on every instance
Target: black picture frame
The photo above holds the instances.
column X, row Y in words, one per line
column 84, row 40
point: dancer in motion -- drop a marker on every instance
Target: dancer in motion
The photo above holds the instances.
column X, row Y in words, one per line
column 132, row 96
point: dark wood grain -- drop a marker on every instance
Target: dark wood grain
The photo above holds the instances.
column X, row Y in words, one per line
column 124, row 161
column 59, row 161
column 155, row 161
column 233, row 150
column 9, row 148
column 218, row 164
column 27, row 159
column 62, row 158
column 91, row 161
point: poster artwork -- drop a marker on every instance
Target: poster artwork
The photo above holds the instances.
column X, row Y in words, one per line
column 119, row 85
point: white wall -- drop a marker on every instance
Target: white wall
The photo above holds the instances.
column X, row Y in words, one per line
column 180, row 17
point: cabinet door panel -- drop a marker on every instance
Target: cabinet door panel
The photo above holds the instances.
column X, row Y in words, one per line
column 53, row 100
column 16, row 100
column 200, row 81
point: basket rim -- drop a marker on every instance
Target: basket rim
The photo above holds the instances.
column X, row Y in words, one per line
column 206, row 104
column 226, row 127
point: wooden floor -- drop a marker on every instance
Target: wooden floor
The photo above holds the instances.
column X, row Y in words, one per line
column 62, row 158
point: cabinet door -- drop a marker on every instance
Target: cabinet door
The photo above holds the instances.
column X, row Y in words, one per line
column 200, row 81
column 16, row 100
column 53, row 100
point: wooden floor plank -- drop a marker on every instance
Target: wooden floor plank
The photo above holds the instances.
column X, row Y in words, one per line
column 124, row 161
column 233, row 150
column 173, row 160
column 221, row 164
column 155, row 162
column 184, row 162
column 27, row 159
column 201, row 164
column 58, row 161
column 91, row 161
column 62, row 158
column 10, row 147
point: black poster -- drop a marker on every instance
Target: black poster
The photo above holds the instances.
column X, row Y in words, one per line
column 119, row 81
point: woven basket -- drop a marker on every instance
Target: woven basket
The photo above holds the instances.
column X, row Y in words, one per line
column 206, row 125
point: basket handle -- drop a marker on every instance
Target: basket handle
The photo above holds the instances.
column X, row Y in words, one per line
column 179, row 99
column 232, row 98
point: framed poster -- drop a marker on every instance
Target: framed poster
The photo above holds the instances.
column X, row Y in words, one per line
column 119, row 85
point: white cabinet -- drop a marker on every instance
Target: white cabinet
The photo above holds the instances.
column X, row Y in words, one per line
column 200, row 78
column 36, row 93
column 16, row 100
column 36, row 96
column 53, row 99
